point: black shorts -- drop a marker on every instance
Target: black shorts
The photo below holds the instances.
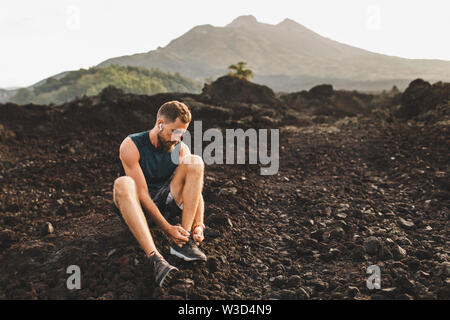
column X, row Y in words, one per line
column 165, row 203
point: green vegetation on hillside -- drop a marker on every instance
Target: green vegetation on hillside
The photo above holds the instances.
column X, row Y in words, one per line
column 92, row 81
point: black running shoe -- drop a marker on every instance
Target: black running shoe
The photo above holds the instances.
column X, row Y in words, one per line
column 162, row 270
column 188, row 252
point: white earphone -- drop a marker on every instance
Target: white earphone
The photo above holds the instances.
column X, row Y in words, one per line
column 160, row 127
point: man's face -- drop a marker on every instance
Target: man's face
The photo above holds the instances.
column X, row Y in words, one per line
column 171, row 134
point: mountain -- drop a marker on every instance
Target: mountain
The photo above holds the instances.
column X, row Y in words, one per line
column 285, row 57
column 68, row 85
column 7, row 93
column 56, row 76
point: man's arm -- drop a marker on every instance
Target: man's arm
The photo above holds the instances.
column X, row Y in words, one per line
column 129, row 155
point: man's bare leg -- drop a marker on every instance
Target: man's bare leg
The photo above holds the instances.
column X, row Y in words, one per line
column 186, row 187
column 191, row 195
column 127, row 200
column 199, row 220
column 200, row 213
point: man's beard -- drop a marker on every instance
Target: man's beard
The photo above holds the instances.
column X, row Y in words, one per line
column 164, row 145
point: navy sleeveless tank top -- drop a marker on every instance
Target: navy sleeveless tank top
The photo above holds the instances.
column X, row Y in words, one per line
column 156, row 164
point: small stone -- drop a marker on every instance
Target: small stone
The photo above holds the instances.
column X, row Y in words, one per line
column 47, row 228
column 406, row 284
column 287, row 294
column 107, row 296
column 385, row 253
column 406, row 224
column 294, row 281
column 317, row 235
column 319, row 284
column 399, row 265
column 111, row 252
column 213, row 264
column 223, row 258
column 404, row 241
column 353, row 291
column 302, row 294
column 423, row 254
column 50, row 228
column 313, row 243
column 334, row 253
column 377, row 296
column 404, row 296
column 7, row 237
column 358, row 253
column 446, row 266
column 372, row 245
column 421, row 273
column 220, row 220
column 401, row 251
column 188, row 283
column 228, row 191
column 278, row 281
column 217, row 286
column 337, row 233
column 178, row 290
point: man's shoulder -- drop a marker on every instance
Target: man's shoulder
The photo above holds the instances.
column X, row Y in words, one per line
column 128, row 150
column 138, row 135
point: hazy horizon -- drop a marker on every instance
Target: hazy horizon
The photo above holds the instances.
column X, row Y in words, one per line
column 69, row 35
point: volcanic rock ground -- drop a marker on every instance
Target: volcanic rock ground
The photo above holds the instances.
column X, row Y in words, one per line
column 350, row 192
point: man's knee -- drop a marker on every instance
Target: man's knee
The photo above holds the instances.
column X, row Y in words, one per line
column 194, row 163
column 123, row 186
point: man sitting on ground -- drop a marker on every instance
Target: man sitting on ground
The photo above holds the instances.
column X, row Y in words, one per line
column 164, row 187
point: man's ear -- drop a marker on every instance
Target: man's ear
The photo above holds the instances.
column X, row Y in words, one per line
column 159, row 124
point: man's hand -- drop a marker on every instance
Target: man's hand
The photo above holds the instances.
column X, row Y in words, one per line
column 178, row 234
column 197, row 235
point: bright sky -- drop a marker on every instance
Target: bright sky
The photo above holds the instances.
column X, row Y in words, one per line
column 42, row 38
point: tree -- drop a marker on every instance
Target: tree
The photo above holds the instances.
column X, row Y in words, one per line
column 239, row 70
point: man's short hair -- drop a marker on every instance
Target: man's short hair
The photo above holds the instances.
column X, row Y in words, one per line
column 172, row 110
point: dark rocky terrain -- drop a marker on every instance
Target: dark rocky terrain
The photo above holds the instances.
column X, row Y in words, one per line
column 363, row 180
